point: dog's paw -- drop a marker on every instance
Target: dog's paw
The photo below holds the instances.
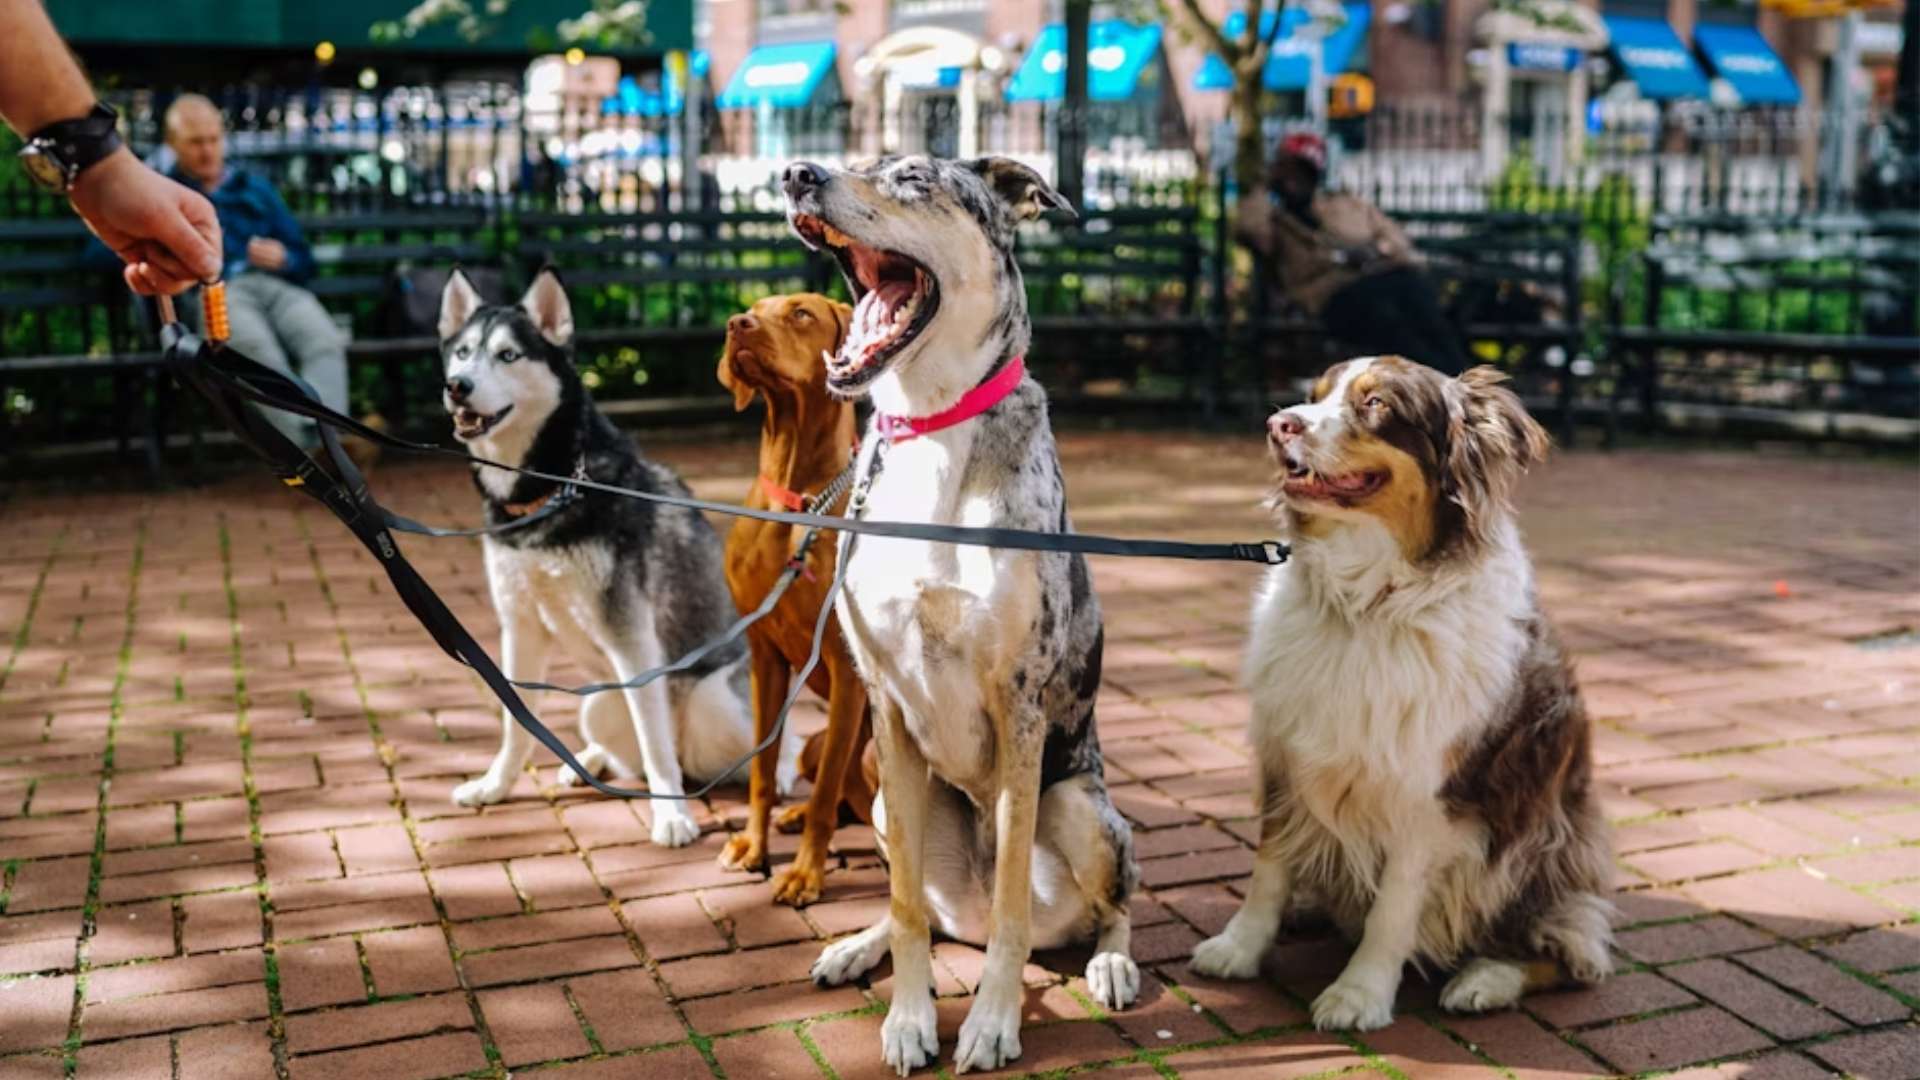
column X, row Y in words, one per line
column 908, row 1039
column 673, row 826
column 849, row 958
column 1350, row 1005
column 1113, row 979
column 1224, row 957
column 1483, row 986
column 483, row 791
column 799, row 885
column 592, row 758
column 792, row 819
column 741, row 853
column 989, row 1037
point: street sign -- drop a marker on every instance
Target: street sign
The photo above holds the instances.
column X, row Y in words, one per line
column 1535, row 56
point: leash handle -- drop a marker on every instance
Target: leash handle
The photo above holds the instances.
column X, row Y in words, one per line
column 213, row 305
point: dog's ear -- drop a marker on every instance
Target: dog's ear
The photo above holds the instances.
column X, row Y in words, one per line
column 458, row 301
column 1491, row 441
column 842, row 320
column 1024, row 191
column 742, row 391
column 547, row 305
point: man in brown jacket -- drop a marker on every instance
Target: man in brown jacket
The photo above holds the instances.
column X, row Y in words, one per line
column 1342, row 260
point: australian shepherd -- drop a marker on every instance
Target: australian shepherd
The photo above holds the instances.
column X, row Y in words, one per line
column 1423, row 761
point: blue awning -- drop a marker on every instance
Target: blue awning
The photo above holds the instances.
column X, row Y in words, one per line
column 1742, row 57
column 1117, row 53
column 1655, row 58
column 1288, row 65
column 783, row 76
column 632, row 99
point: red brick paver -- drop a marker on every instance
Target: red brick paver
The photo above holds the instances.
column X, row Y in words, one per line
column 226, row 848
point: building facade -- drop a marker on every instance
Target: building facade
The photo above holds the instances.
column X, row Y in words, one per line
column 954, row 76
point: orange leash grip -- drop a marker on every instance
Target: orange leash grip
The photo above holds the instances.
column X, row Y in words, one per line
column 213, row 300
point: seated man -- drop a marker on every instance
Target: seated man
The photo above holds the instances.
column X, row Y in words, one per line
column 1345, row 262
column 266, row 260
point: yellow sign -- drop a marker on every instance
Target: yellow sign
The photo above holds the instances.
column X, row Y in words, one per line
column 1351, row 94
column 1825, row 9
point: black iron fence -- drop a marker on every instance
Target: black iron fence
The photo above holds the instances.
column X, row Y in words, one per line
column 1656, row 259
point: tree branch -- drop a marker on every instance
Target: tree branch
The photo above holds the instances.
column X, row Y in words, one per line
column 1216, row 38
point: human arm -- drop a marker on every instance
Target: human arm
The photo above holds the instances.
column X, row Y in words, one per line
column 1389, row 239
column 295, row 255
column 167, row 235
column 1253, row 221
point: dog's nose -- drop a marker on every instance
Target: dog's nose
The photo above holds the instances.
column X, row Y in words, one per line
column 1285, row 426
column 742, row 324
column 802, row 176
column 459, row 387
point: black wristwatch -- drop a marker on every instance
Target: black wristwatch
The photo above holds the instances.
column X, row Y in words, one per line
column 57, row 153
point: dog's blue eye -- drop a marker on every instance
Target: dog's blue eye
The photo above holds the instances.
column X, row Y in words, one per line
column 508, row 356
column 462, row 352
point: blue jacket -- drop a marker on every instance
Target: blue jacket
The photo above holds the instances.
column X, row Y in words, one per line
column 248, row 207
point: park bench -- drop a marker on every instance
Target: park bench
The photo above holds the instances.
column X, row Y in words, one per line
column 69, row 323
column 666, row 282
column 1740, row 317
column 1117, row 299
column 68, row 331
column 363, row 262
column 1508, row 280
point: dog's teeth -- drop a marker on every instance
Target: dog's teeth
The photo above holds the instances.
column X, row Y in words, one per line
column 834, row 236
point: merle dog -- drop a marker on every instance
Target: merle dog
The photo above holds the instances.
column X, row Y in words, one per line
column 982, row 665
column 621, row 585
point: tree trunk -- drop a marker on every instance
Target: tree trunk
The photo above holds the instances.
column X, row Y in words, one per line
column 1249, row 143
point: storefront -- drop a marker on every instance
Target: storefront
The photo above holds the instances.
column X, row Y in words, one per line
column 928, row 80
column 1126, row 82
column 1753, row 73
column 1534, row 79
column 792, row 91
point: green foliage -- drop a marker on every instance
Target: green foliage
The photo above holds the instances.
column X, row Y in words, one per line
column 606, row 24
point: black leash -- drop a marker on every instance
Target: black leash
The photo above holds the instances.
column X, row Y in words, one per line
column 228, row 381
column 264, row 386
column 343, row 491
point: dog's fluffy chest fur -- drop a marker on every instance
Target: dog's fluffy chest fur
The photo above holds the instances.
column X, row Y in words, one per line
column 1370, row 679
column 924, row 616
column 566, row 587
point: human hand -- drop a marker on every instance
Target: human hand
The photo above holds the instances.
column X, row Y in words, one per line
column 166, row 233
column 266, row 253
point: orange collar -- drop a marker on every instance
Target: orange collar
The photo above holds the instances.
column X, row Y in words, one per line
column 782, row 496
column 787, row 498
column 523, row 509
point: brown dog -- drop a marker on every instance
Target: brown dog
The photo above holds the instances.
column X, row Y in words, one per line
column 805, row 441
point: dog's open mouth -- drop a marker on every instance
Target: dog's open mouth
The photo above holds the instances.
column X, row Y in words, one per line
column 469, row 424
column 895, row 297
column 1302, row 482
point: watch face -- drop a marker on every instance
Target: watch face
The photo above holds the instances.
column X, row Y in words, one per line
column 43, row 169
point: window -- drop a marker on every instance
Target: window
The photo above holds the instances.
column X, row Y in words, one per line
column 787, row 9
column 937, row 7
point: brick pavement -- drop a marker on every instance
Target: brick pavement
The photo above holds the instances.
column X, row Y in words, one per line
column 225, row 753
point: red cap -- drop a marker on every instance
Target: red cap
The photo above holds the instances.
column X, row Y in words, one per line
column 1306, row 146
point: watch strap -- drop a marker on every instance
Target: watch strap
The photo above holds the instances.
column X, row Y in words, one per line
column 82, row 141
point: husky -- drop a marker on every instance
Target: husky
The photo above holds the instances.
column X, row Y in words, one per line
column 982, row 665
column 622, row 585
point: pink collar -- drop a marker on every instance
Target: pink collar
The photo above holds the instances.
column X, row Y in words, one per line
column 897, row 429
